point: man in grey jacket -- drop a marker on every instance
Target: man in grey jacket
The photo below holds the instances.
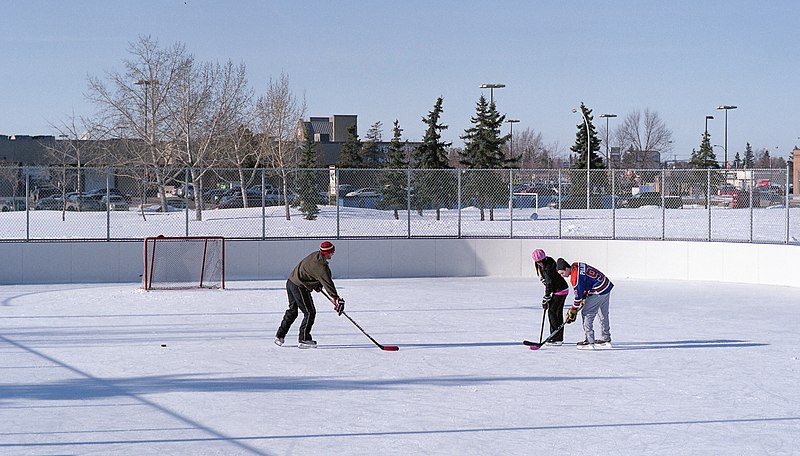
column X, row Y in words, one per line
column 311, row 274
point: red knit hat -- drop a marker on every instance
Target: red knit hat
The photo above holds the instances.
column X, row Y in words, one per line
column 326, row 248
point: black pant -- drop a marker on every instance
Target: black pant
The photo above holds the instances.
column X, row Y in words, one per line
column 555, row 312
column 299, row 298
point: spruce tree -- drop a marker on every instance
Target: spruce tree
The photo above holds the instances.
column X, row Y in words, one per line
column 352, row 149
column 483, row 152
column 371, row 153
column 395, row 178
column 579, row 177
column 432, row 188
column 704, row 158
column 307, row 180
column 749, row 158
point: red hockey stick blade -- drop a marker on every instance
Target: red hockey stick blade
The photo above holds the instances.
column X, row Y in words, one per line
column 535, row 347
column 390, row 348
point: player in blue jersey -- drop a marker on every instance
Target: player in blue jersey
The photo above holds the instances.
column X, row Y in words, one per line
column 593, row 287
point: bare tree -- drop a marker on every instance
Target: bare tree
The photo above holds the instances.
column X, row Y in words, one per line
column 530, row 148
column 135, row 105
column 644, row 132
column 277, row 117
column 209, row 102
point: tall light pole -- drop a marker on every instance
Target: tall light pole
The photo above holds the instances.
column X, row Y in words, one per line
column 512, row 122
column 726, row 108
column 707, row 119
column 608, row 155
column 725, row 149
column 491, row 88
column 588, row 152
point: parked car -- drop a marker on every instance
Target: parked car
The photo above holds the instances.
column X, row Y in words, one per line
column 275, row 197
column 651, row 199
column 215, row 194
column 114, row 203
column 51, row 203
column 235, row 200
column 79, row 202
column 100, row 192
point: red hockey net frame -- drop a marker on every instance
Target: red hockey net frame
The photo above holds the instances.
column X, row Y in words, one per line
column 150, row 250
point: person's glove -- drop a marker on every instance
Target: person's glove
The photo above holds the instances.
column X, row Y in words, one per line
column 338, row 305
column 572, row 314
column 546, row 301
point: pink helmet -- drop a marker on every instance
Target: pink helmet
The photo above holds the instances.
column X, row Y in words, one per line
column 538, row 255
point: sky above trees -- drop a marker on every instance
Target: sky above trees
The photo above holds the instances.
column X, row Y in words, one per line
column 385, row 62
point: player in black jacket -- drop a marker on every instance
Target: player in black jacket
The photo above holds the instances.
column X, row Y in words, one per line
column 555, row 292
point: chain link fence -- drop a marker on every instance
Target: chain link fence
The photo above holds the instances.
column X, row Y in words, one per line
column 58, row 203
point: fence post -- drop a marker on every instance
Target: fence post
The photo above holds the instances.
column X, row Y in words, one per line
column 786, row 198
column 263, row 209
column 27, row 207
column 108, row 205
column 560, row 203
column 186, row 200
column 511, row 203
column 613, row 205
column 663, row 206
column 336, row 180
column 708, row 200
column 408, row 200
column 458, row 202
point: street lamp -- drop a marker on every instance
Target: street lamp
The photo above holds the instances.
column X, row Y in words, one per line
column 725, row 149
column 608, row 155
column 726, row 108
column 512, row 122
column 707, row 118
column 491, row 88
column 588, row 153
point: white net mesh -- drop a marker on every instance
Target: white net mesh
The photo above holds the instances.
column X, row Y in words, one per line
column 184, row 262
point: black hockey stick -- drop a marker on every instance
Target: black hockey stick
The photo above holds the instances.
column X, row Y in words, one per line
column 544, row 313
column 381, row 346
column 536, row 346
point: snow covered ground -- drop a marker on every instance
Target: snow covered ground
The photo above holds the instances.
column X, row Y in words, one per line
column 697, row 368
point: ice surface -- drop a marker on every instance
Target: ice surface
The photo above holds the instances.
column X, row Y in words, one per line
column 697, row 368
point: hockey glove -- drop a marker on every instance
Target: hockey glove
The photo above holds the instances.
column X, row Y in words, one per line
column 338, row 305
column 546, row 301
column 572, row 314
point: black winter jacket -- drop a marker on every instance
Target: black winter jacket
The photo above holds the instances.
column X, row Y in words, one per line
column 551, row 279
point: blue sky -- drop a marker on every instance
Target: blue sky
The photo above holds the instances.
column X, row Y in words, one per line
column 391, row 60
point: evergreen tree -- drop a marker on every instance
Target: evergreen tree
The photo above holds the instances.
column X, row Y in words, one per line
column 749, row 158
column 307, row 180
column 737, row 161
column 432, row 188
column 578, row 177
column 704, row 158
column 352, row 149
column 432, row 152
column 395, row 179
column 483, row 152
column 579, row 148
column 764, row 160
column 371, row 152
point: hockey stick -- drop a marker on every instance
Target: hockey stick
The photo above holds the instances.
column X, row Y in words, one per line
column 544, row 313
column 381, row 346
column 536, row 346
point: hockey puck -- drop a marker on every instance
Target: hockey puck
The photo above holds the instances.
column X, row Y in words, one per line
column 163, row 345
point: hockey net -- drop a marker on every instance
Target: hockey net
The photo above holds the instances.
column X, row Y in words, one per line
column 174, row 263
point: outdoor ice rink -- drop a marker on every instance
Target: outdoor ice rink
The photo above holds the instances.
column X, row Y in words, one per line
column 698, row 368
